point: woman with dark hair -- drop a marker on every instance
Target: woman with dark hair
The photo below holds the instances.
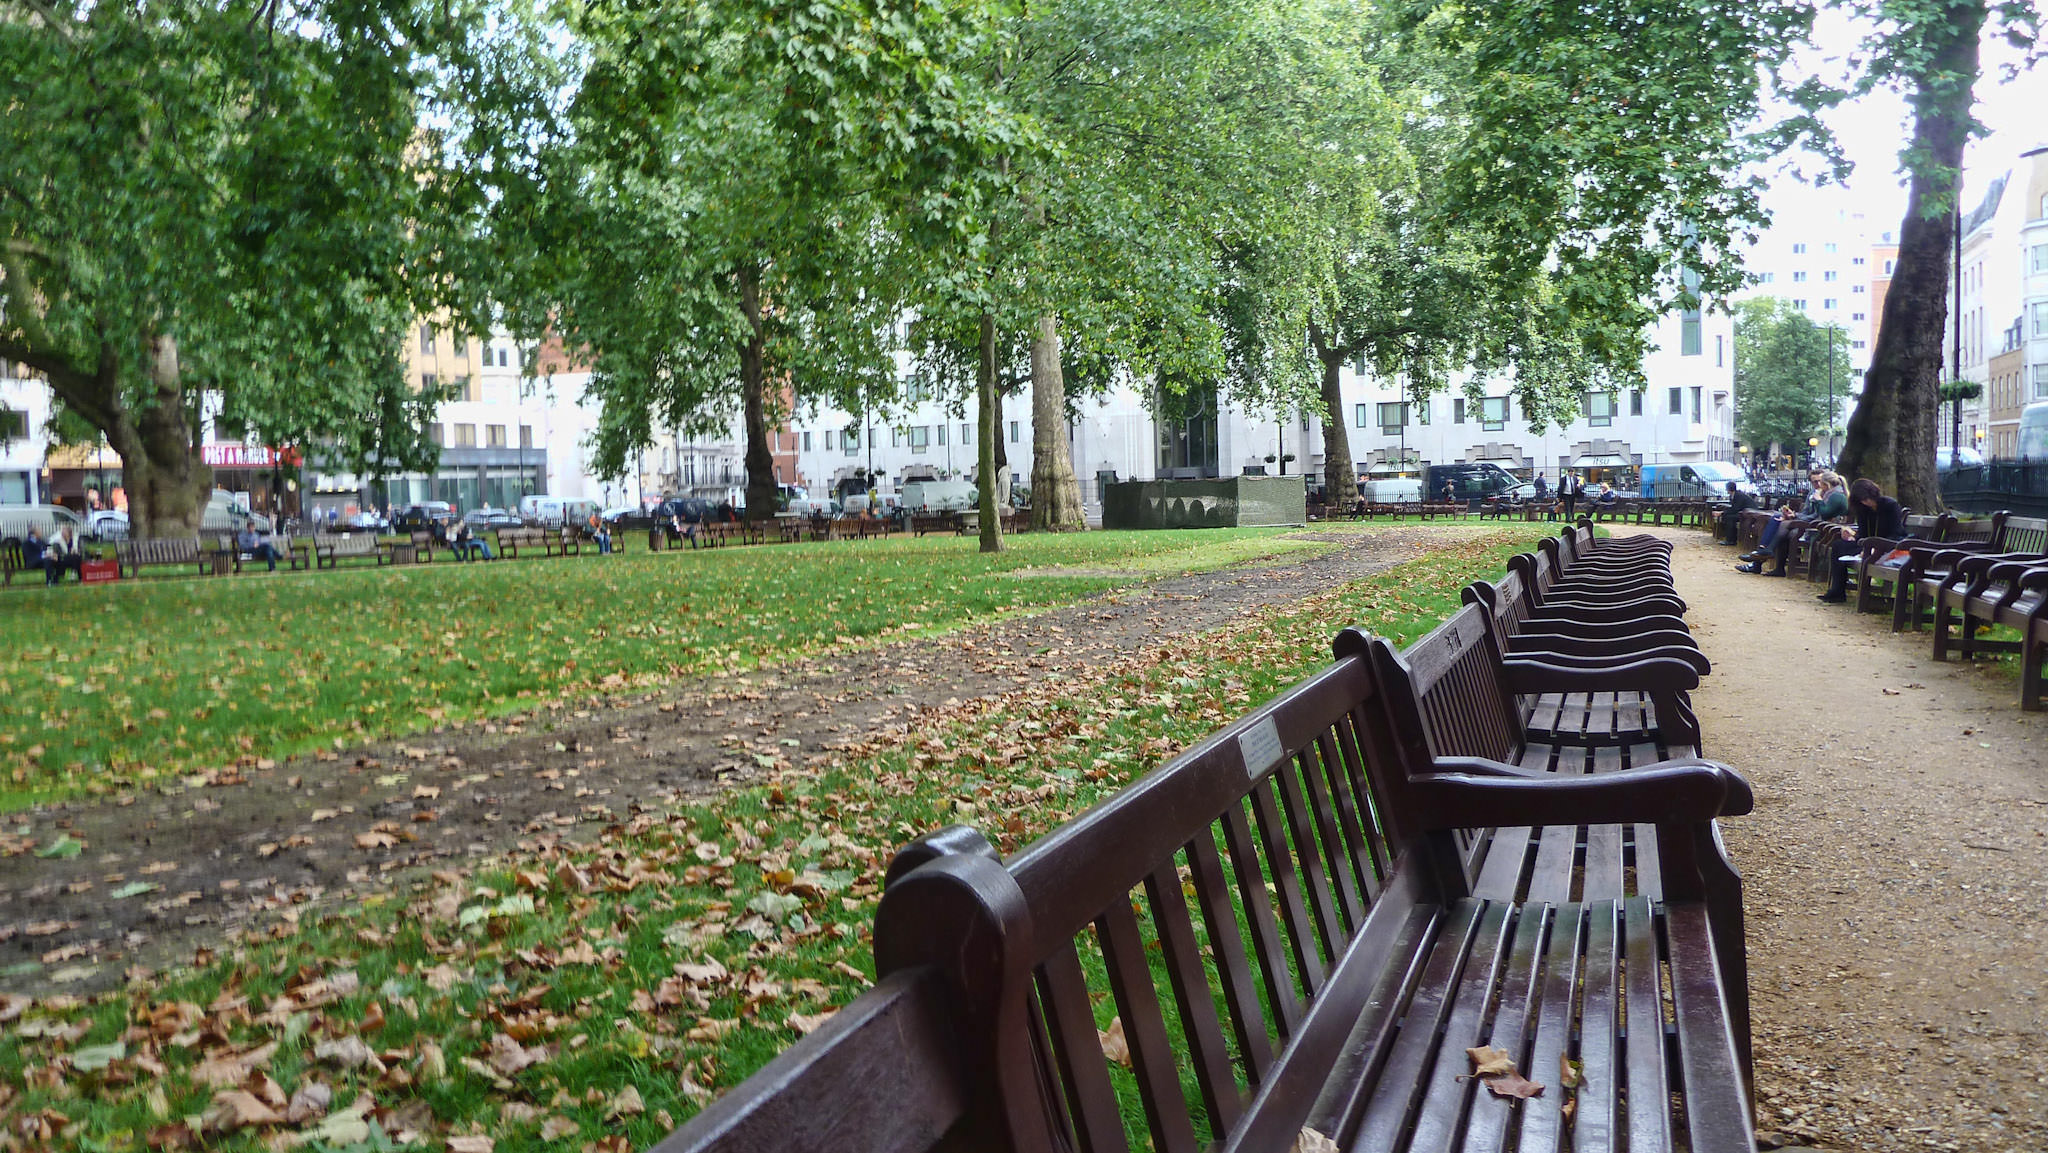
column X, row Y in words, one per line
column 1877, row 515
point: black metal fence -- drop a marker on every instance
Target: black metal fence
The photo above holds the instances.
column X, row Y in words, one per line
column 2019, row 486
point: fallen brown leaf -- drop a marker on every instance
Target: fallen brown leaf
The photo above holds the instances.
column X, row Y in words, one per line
column 470, row 1145
column 1114, row 1046
column 239, row 1108
column 1513, row 1085
column 1488, row 1061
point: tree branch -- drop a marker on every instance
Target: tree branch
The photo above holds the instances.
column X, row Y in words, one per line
column 57, row 24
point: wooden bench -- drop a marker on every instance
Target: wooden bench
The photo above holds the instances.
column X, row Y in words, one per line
column 511, row 540
column 11, row 561
column 169, row 552
column 226, row 545
column 922, row 523
column 562, row 542
column 330, row 550
column 1303, row 922
column 1997, row 590
column 2014, row 537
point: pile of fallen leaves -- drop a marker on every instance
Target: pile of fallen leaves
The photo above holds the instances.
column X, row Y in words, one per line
column 593, row 995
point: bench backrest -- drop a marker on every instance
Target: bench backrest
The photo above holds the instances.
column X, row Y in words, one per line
column 2025, row 534
column 1207, row 902
column 353, row 544
column 1976, row 530
column 162, row 550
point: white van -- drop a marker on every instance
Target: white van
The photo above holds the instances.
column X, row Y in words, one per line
column 553, row 511
column 930, row 496
column 1392, row 490
column 46, row 519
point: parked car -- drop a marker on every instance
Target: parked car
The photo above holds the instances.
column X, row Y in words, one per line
column 487, row 517
column 426, row 515
column 16, row 520
column 107, row 524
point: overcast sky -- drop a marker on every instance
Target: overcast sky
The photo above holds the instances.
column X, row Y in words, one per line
column 1873, row 128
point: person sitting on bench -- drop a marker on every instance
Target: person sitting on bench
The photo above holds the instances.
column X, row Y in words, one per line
column 466, row 544
column 1877, row 516
column 1785, row 512
column 1739, row 502
column 1827, row 503
column 60, row 554
column 256, row 548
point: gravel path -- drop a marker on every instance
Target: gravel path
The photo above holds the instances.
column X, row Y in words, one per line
column 1894, row 869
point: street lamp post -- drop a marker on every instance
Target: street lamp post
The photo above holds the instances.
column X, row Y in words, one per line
column 1831, row 392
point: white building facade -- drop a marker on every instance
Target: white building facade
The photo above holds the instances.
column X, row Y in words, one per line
column 1684, row 412
column 1818, row 257
column 24, row 412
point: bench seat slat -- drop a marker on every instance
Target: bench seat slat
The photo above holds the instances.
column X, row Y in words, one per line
column 1593, row 1123
column 1448, row 1091
column 1649, row 1089
column 1542, row 1118
column 1393, row 1100
column 1716, row 1102
column 1513, row 1026
column 1499, row 876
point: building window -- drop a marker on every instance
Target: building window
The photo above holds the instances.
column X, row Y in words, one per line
column 1359, row 415
column 434, row 434
column 2037, row 260
column 1889, row 265
column 1799, row 302
column 1857, row 261
column 1393, row 416
column 2041, row 318
column 1493, row 413
column 1600, row 409
column 942, row 435
column 1799, row 278
column 1013, row 432
column 426, row 382
column 1696, row 403
column 1856, row 316
column 850, row 441
column 920, row 438
column 471, row 387
column 1689, row 332
column 828, row 440
column 1828, row 275
column 1677, row 401
column 526, row 436
column 1767, row 278
column 1829, row 247
column 1856, row 290
column 1855, row 344
column 465, row 436
column 1458, row 410
column 1421, row 412
column 494, row 436
column 1720, row 351
column 461, row 344
column 1799, row 250
column 807, row 440
column 895, row 438
column 1635, row 399
column 966, row 433
column 13, row 424
column 426, row 340
column 2040, row 382
column 1830, row 304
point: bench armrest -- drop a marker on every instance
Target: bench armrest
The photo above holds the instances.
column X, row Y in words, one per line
column 2011, row 570
column 1471, row 792
column 1523, row 674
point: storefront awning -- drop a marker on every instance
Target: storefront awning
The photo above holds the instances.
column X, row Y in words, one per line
column 82, row 456
column 1603, row 462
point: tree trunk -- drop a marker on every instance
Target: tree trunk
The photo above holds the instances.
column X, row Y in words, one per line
column 167, row 483
column 1055, row 494
column 1891, row 436
column 991, row 418
column 1340, row 472
column 763, row 488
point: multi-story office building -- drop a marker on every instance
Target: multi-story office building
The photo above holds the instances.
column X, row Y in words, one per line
column 1821, row 257
column 24, row 411
column 2033, row 239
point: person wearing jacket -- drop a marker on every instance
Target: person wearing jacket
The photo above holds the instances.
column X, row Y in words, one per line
column 1877, row 515
column 1739, row 502
column 60, row 554
column 1827, row 503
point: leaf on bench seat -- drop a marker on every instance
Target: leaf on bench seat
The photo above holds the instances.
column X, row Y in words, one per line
column 1496, row 1068
column 1312, row 1141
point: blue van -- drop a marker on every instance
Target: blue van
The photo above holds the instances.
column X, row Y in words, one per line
column 1701, row 480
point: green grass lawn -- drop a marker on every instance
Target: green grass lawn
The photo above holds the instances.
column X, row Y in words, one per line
column 676, row 953
column 111, row 685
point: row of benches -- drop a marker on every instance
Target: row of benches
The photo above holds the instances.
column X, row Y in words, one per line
column 1500, row 838
column 1959, row 577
